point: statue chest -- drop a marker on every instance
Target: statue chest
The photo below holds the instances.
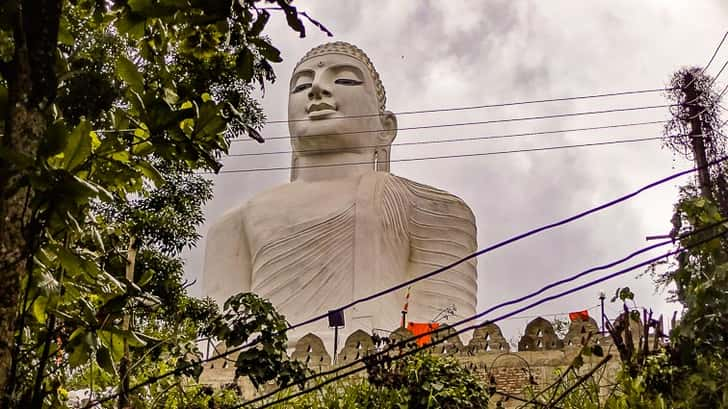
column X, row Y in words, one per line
column 291, row 208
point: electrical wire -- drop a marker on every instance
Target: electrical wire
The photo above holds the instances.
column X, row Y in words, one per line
column 715, row 52
column 442, row 339
column 462, row 155
column 491, row 121
column 468, row 139
column 439, row 270
column 496, row 105
column 513, row 239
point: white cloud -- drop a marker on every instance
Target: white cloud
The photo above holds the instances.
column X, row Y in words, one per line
column 459, row 53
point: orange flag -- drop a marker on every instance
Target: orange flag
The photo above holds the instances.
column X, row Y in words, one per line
column 579, row 315
column 418, row 328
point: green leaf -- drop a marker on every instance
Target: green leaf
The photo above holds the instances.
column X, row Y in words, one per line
column 113, row 339
column 170, row 96
column 132, row 25
column 268, row 51
column 64, row 35
column 78, row 147
column 69, row 261
column 245, row 64
column 103, row 358
column 113, row 342
column 55, row 140
column 39, row 309
column 146, row 277
column 127, row 71
column 81, row 349
column 151, row 173
column 259, row 24
column 100, row 192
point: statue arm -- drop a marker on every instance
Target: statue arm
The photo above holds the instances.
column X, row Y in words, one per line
column 441, row 231
column 227, row 266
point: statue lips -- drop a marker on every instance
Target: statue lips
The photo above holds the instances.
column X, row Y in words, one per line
column 320, row 110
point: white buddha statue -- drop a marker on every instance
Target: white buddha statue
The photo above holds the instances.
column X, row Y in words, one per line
column 344, row 227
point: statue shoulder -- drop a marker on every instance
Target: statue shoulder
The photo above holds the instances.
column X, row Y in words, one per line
column 234, row 217
column 432, row 199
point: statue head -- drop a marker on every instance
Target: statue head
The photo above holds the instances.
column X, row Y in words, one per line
column 337, row 103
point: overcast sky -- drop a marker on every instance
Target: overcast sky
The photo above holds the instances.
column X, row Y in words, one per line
column 436, row 54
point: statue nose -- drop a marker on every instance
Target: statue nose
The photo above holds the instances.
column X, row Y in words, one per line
column 318, row 90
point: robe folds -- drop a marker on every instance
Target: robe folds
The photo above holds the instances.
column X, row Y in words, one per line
column 384, row 230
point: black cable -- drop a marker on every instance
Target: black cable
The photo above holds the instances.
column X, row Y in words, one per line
column 519, row 300
column 716, row 51
column 718, row 74
column 476, row 138
column 435, row 272
column 463, row 155
column 511, row 240
column 503, row 104
column 502, row 317
column 492, row 121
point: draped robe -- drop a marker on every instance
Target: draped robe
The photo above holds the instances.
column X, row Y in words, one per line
column 310, row 247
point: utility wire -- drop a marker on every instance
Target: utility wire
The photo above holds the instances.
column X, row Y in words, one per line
column 513, row 239
column 715, row 52
column 497, row 105
column 718, row 74
column 488, row 249
column 505, row 104
column 462, row 155
column 517, row 300
column 476, row 138
column 491, row 121
column 442, row 339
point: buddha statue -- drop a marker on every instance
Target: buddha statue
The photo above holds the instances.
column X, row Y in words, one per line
column 344, row 227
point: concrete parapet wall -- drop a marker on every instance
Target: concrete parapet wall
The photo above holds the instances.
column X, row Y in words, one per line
column 541, row 353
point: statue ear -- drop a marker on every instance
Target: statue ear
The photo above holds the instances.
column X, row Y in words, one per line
column 389, row 126
column 389, row 131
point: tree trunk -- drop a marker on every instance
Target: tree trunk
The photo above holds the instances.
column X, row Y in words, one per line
column 32, row 83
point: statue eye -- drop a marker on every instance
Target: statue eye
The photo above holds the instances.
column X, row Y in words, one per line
column 301, row 87
column 347, row 81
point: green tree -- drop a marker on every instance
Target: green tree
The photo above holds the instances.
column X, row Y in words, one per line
column 106, row 109
column 421, row 380
column 698, row 374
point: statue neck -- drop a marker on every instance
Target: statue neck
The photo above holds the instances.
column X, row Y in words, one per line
column 339, row 165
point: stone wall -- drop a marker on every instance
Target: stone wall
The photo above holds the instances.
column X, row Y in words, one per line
column 541, row 353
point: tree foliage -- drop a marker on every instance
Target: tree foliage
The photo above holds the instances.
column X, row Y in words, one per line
column 108, row 108
column 422, row 380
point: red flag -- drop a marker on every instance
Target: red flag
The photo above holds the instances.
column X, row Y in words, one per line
column 418, row 328
column 579, row 315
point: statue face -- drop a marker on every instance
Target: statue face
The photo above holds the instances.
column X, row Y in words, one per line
column 333, row 104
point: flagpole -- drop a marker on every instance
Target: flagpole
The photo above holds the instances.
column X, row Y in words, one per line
column 405, row 308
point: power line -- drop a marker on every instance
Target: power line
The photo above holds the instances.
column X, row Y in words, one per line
column 492, row 121
column 476, row 138
column 519, row 300
column 496, row 105
column 463, row 155
column 716, row 51
column 513, row 239
column 493, row 247
column 472, row 327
